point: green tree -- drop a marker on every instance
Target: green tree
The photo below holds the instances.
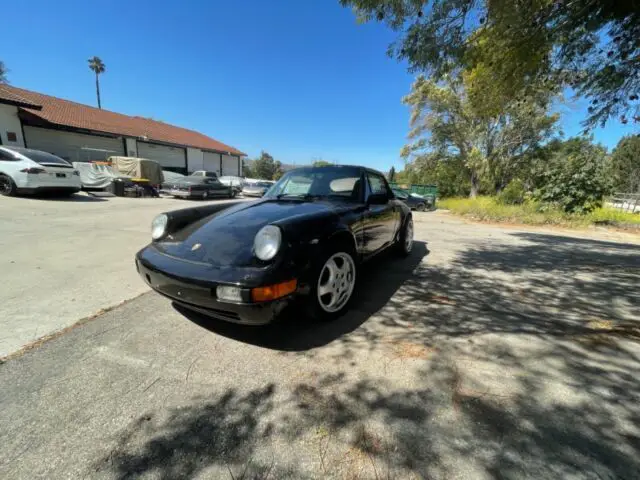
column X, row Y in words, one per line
column 98, row 67
column 321, row 163
column 247, row 171
column 267, row 168
column 625, row 165
column 513, row 46
column 391, row 177
column 576, row 178
column 445, row 125
column 3, row 73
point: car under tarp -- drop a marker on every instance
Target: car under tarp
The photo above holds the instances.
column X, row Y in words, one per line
column 138, row 168
column 97, row 176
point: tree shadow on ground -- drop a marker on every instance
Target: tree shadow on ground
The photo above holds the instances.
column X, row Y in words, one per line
column 532, row 373
column 379, row 280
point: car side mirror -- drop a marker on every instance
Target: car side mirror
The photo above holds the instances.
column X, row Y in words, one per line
column 377, row 199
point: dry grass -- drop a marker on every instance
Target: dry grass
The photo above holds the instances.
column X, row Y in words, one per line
column 531, row 213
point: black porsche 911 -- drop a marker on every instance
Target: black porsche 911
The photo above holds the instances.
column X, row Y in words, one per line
column 244, row 262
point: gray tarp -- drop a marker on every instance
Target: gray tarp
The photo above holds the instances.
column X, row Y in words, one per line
column 96, row 176
column 139, row 168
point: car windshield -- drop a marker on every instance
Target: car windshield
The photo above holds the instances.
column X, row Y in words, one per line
column 42, row 158
column 336, row 182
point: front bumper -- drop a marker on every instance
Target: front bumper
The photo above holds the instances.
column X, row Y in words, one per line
column 179, row 193
column 170, row 277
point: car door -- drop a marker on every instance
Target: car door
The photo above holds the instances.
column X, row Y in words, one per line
column 216, row 188
column 380, row 218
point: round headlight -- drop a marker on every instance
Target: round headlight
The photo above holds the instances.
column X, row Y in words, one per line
column 159, row 226
column 267, row 242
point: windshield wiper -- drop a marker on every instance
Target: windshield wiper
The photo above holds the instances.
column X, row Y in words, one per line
column 297, row 196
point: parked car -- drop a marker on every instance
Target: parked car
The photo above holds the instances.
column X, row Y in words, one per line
column 412, row 200
column 256, row 189
column 23, row 170
column 304, row 241
column 236, row 182
column 204, row 173
column 199, row 187
column 170, row 179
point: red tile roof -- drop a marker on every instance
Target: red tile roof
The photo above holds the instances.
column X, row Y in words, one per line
column 71, row 114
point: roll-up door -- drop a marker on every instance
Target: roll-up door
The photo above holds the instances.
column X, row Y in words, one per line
column 170, row 158
column 211, row 162
column 73, row 147
column 230, row 165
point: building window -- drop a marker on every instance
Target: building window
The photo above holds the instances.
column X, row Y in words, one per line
column 12, row 137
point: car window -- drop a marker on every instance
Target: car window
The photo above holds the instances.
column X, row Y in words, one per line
column 42, row 157
column 7, row 156
column 400, row 194
column 325, row 181
column 377, row 184
column 211, row 174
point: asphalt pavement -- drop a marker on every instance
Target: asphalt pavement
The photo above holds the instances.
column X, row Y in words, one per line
column 488, row 353
column 66, row 259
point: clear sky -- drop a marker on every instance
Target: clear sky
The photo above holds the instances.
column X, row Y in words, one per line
column 300, row 80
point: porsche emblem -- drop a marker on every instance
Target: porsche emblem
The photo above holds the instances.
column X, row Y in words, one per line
column 195, row 247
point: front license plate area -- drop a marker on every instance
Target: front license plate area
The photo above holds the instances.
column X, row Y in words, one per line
column 60, row 175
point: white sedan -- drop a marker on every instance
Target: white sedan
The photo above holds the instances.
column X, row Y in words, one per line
column 23, row 170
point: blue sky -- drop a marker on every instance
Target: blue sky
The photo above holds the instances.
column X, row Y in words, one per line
column 300, row 80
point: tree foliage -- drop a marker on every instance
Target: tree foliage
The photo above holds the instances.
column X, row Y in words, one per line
column 3, row 73
column 625, row 165
column 446, row 125
column 321, row 163
column 266, row 168
column 576, row 178
column 391, row 177
column 511, row 47
column 97, row 66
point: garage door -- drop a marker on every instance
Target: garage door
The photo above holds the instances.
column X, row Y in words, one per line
column 230, row 165
column 211, row 162
column 73, row 147
column 170, row 158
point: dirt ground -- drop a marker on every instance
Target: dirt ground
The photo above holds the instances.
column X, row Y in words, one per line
column 489, row 353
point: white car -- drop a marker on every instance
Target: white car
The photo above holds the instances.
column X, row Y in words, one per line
column 23, row 170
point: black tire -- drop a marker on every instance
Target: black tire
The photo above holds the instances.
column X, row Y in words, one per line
column 205, row 195
column 232, row 193
column 421, row 207
column 403, row 247
column 7, row 186
column 314, row 307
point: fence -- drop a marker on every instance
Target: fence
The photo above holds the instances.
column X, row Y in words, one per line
column 628, row 202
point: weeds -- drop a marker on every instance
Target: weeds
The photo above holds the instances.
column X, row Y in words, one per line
column 535, row 213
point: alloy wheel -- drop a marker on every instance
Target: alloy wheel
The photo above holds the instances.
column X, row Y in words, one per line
column 336, row 282
column 5, row 185
column 408, row 236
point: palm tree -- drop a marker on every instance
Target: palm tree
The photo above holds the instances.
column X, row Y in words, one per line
column 98, row 67
column 3, row 73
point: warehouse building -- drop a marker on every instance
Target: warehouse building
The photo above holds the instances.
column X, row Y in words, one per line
column 80, row 133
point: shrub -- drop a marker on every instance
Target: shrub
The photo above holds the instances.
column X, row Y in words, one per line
column 575, row 180
column 513, row 193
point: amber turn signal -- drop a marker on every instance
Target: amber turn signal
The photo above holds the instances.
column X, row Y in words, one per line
column 273, row 292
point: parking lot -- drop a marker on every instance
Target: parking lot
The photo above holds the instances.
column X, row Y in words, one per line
column 490, row 352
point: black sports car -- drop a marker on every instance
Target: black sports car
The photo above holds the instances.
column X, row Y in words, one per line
column 198, row 187
column 244, row 262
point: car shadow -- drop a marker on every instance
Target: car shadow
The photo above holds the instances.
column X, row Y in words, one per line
column 76, row 198
column 293, row 331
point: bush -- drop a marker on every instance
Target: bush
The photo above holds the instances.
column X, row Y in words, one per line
column 575, row 180
column 512, row 194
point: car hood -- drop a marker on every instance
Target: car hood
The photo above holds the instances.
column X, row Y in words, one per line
column 226, row 238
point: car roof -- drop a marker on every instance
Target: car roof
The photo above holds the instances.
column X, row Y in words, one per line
column 360, row 167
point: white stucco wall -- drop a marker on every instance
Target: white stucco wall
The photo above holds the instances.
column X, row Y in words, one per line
column 9, row 122
column 194, row 159
column 132, row 147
